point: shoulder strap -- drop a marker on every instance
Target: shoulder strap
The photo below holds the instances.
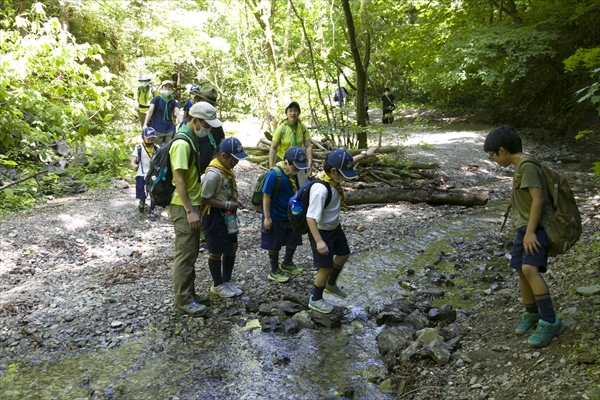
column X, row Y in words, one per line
column 327, row 185
column 183, row 136
column 278, row 172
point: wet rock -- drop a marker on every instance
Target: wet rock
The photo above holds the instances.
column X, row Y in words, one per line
column 121, row 184
column 428, row 335
column 116, row 324
column 275, row 312
column 392, row 316
column 265, row 309
column 271, row 324
column 296, row 298
column 330, row 321
column 291, row 325
column 433, row 292
column 437, row 350
column 392, row 339
column 588, row 290
column 373, row 372
column 304, row 320
column 417, row 320
column 288, row 307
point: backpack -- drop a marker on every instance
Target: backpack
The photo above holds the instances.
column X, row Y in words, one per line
column 302, row 198
column 257, row 194
column 564, row 228
column 139, row 154
column 159, row 179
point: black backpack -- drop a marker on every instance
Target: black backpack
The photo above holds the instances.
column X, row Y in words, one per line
column 257, row 194
column 159, row 179
column 301, row 199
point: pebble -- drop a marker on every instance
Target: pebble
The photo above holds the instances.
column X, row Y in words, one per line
column 116, row 324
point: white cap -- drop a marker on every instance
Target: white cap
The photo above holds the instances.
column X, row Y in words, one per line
column 205, row 111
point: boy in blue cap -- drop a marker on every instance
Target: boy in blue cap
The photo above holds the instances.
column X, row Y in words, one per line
column 531, row 207
column 140, row 162
column 277, row 229
column 220, row 201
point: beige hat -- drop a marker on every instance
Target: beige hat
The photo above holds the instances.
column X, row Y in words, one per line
column 205, row 111
column 167, row 82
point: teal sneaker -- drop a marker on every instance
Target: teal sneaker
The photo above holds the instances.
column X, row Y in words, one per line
column 528, row 322
column 292, row 269
column 320, row 305
column 277, row 277
column 336, row 291
column 545, row 332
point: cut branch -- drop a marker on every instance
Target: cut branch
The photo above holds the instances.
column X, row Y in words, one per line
column 458, row 197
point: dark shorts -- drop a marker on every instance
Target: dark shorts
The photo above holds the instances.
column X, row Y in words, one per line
column 215, row 232
column 140, row 188
column 281, row 234
column 336, row 243
column 519, row 257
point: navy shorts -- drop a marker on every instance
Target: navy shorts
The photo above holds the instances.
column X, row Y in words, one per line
column 336, row 243
column 519, row 257
column 215, row 232
column 280, row 234
column 140, row 188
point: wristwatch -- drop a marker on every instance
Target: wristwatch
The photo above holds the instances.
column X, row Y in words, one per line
column 363, row 153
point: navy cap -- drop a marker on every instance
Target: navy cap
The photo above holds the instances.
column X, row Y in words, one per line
column 341, row 160
column 148, row 132
column 234, row 147
column 296, row 155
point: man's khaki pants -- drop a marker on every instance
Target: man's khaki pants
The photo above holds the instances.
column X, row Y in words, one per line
column 187, row 244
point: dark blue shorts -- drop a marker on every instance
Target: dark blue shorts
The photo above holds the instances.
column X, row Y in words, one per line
column 519, row 257
column 336, row 243
column 280, row 234
column 140, row 188
column 215, row 232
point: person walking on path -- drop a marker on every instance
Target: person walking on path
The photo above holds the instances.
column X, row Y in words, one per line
column 387, row 106
column 532, row 208
column 143, row 95
column 163, row 113
column 140, row 162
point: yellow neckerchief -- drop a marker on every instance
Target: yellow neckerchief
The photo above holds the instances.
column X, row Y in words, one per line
column 225, row 172
column 322, row 176
column 149, row 148
column 281, row 164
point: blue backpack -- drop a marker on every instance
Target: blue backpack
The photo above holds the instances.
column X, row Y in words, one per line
column 298, row 205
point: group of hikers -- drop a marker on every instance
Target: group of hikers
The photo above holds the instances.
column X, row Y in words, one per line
column 206, row 198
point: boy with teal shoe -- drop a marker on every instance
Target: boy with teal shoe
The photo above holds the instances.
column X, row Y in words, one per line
column 531, row 207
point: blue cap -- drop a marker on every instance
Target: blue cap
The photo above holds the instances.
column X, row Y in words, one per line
column 296, row 155
column 341, row 160
column 148, row 132
column 195, row 89
column 234, row 147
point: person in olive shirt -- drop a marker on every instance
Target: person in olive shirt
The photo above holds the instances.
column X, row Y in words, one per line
column 184, row 209
column 143, row 95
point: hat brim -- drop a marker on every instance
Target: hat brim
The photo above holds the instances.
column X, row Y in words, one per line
column 300, row 165
column 240, row 156
column 207, row 99
column 348, row 173
column 215, row 123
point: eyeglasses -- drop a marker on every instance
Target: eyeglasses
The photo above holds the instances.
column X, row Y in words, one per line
column 491, row 156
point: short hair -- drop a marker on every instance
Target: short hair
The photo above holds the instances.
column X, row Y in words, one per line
column 503, row 136
column 387, row 90
column 327, row 167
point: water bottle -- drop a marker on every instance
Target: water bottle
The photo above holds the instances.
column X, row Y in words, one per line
column 296, row 207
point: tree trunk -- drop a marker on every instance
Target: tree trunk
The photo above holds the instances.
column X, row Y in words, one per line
column 458, row 197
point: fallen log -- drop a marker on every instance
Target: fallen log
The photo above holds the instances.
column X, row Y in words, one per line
column 458, row 197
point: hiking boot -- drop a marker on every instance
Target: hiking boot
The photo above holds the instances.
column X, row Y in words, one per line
column 152, row 216
column 528, row 322
column 194, row 309
column 292, row 269
column 222, row 290
column 236, row 290
column 278, row 277
column 545, row 332
column 336, row 291
column 202, row 299
column 320, row 305
column 141, row 207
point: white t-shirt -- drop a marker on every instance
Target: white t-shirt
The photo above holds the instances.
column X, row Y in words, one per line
column 327, row 218
column 144, row 165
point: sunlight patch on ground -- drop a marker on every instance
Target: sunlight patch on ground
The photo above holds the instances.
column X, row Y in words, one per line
column 444, row 138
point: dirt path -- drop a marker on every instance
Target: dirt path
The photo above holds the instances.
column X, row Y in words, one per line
column 88, row 275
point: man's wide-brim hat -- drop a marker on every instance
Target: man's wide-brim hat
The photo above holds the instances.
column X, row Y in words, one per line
column 209, row 94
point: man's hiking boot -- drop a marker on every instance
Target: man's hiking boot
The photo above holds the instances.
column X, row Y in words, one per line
column 292, row 269
column 278, row 277
column 336, row 291
column 320, row 305
column 202, row 299
column 545, row 332
column 141, row 207
column 528, row 322
column 194, row 309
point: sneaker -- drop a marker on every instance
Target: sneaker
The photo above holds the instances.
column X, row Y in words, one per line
column 336, row 291
column 528, row 322
column 545, row 332
column 320, row 305
column 292, row 269
column 152, row 216
column 222, row 291
column 236, row 290
column 277, row 277
column 203, row 247
column 141, row 207
column 194, row 309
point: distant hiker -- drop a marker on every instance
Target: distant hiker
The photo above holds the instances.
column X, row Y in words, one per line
column 184, row 209
column 291, row 132
column 531, row 209
column 387, row 106
column 276, row 230
column 220, row 202
column 140, row 162
column 339, row 96
column 163, row 114
column 327, row 239
column 143, row 95
column 193, row 91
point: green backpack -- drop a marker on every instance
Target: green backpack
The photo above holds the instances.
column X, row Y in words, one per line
column 564, row 228
column 257, row 194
